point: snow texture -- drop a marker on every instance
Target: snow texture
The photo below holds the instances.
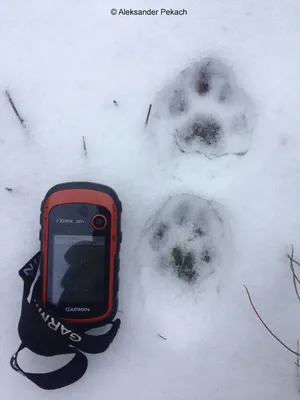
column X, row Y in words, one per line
column 82, row 80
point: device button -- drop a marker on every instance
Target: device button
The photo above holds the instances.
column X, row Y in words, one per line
column 99, row 221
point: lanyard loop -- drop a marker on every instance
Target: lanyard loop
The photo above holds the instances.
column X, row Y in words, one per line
column 44, row 333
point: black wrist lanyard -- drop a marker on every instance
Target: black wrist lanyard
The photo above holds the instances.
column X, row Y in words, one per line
column 45, row 334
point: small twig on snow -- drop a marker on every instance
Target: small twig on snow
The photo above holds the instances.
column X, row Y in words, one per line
column 148, row 115
column 116, row 103
column 8, row 189
column 295, row 261
column 265, row 325
column 22, row 121
column 295, row 278
column 162, row 337
column 297, row 363
column 84, row 146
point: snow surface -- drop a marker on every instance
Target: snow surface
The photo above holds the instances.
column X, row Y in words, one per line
column 64, row 63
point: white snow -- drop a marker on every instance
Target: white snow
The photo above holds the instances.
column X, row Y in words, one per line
column 64, row 63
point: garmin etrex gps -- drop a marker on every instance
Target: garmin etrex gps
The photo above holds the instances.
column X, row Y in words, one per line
column 80, row 242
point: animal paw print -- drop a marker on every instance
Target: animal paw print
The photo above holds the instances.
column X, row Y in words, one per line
column 204, row 111
column 186, row 237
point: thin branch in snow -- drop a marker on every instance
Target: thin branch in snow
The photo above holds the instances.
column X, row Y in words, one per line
column 84, row 146
column 295, row 278
column 265, row 325
column 298, row 366
column 296, row 262
column 148, row 115
column 162, row 337
column 22, row 121
column 116, row 103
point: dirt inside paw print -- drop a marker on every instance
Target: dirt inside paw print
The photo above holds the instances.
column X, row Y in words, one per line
column 159, row 235
column 184, row 264
column 207, row 130
column 203, row 83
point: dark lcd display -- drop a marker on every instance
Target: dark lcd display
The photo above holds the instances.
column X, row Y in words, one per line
column 78, row 274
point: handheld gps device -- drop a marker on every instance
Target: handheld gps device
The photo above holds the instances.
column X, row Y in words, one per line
column 80, row 242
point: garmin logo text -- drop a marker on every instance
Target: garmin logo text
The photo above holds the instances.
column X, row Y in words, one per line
column 57, row 326
column 80, row 309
